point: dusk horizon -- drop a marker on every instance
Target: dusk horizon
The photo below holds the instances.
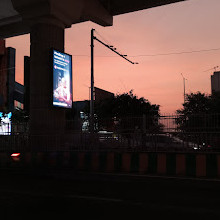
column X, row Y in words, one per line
column 166, row 41
column 109, row 109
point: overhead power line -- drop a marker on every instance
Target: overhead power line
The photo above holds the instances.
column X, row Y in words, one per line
column 163, row 54
column 214, row 68
column 113, row 49
column 176, row 53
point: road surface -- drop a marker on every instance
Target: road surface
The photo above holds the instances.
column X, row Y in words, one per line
column 52, row 194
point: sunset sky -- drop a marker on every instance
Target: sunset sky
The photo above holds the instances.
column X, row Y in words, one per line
column 193, row 25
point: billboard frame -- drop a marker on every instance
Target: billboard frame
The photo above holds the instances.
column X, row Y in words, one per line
column 52, row 79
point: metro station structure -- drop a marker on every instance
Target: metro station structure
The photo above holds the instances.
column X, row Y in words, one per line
column 46, row 21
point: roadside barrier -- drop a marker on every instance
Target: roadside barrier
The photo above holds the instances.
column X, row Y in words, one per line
column 206, row 165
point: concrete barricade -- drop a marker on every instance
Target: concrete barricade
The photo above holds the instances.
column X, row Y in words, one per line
column 199, row 165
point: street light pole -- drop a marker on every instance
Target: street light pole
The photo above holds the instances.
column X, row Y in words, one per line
column 184, row 88
column 92, row 74
column 92, row 84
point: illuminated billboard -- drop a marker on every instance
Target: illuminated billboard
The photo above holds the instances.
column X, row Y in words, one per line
column 62, row 79
column 5, row 124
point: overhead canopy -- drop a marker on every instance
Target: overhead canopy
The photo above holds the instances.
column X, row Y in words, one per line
column 16, row 14
column 117, row 7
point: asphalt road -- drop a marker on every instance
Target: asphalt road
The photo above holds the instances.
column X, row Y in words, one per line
column 51, row 194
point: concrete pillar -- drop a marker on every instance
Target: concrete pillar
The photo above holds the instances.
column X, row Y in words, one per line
column 46, row 122
column 46, row 20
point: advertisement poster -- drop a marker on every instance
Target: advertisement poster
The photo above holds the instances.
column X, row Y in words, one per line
column 62, row 79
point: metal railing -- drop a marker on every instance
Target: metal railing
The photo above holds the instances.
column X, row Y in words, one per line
column 162, row 133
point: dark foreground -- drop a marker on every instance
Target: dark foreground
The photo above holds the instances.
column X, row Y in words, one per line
column 68, row 195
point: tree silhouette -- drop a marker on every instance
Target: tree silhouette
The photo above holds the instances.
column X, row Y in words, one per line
column 199, row 119
column 126, row 111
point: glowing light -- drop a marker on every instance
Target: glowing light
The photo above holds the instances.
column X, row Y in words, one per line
column 15, row 155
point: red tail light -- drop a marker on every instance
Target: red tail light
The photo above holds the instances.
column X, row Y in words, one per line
column 15, row 155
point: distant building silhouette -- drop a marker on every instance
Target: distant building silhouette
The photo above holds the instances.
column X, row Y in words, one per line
column 11, row 92
column 81, row 106
column 101, row 94
column 215, row 82
column 27, row 84
column 19, row 92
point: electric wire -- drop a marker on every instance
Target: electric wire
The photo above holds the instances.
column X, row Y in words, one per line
column 161, row 54
column 107, row 42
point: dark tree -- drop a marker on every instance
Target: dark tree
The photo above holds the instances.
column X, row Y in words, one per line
column 199, row 119
column 196, row 103
column 215, row 103
column 126, row 111
column 190, row 117
column 199, row 111
column 126, row 104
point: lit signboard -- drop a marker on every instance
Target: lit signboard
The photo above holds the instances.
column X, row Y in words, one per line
column 5, row 124
column 62, row 79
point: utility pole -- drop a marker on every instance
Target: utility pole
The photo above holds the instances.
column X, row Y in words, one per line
column 184, row 92
column 92, row 84
column 92, row 73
